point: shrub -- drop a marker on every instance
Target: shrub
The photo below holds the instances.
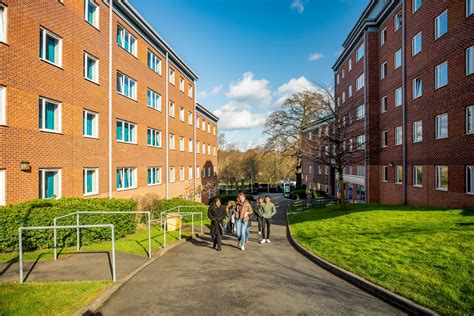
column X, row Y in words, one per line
column 230, row 197
column 301, row 194
column 42, row 213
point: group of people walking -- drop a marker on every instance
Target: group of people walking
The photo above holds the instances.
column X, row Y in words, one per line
column 236, row 216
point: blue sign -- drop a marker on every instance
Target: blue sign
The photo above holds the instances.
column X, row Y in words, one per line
column 350, row 191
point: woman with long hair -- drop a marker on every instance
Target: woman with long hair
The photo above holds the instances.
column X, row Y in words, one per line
column 216, row 214
column 243, row 212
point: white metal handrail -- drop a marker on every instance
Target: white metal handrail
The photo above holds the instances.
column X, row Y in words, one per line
column 20, row 240
column 165, row 227
column 187, row 213
column 78, row 233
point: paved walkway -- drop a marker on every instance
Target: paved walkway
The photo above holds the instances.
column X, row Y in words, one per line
column 268, row 279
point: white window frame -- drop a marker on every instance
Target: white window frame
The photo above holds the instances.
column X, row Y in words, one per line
column 3, row 185
column 3, row 23
column 360, row 112
column 397, row 59
column 383, row 36
column 398, row 175
column 190, row 145
column 132, row 132
column 361, row 142
column 360, row 82
column 172, row 174
column 181, row 143
column 470, row 120
column 397, row 21
column 132, row 85
column 438, row 179
column 155, row 99
column 58, row 112
column 398, row 97
column 349, row 91
column 198, row 148
column 172, row 141
column 181, row 174
column 208, row 149
column 417, row 88
column 214, row 151
column 190, row 173
column 190, row 91
column 153, row 62
column 95, row 124
column 417, row 137
column 198, row 172
column 209, row 173
column 155, row 134
column 415, row 50
column 398, row 136
column 383, row 71
column 384, row 173
column 132, row 171
column 384, row 138
column 58, row 184
column 59, row 47
column 418, row 176
column 190, row 118
column 349, row 64
column 416, row 5
column 171, row 76
column 181, row 84
column 171, row 108
column 470, row 60
column 438, row 71
column 96, row 13
column 384, row 104
column 95, row 181
column 181, row 114
column 95, row 68
column 438, row 25
column 469, row 7
column 133, row 47
column 469, row 180
column 438, row 118
column 155, row 176
column 203, row 148
column 3, row 105
column 360, row 53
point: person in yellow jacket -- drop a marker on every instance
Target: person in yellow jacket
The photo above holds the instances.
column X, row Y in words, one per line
column 242, row 215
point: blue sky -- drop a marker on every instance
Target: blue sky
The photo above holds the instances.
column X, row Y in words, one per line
column 252, row 54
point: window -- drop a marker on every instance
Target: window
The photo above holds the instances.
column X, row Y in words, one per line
column 470, row 60
column 209, row 172
column 416, row 4
column 190, row 145
column 214, row 130
column 360, row 52
column 361, row 142
column 92, row 13
column 126, row 86
column 441, row 75
column 91, row 68
column 384, row 173
column 154, row 176
column 360, row 114
column 49, row 115
column 383, row 36
column 417, row 86
column 190, row 173
column 91, row 181
column 337, row 79
column 153, row 62
column 441, row 24
column 349, row 64
column 50, row 183
column 416, row 44
column 203, row 127
column 181, row 114
column 214, row 151
column 198, row 121
column 360, row 170
column 126, row 178
column 181, row 143
column 470, row 119
column 441, row 126
column 338, row 101
column 50, row 47
column 469, row 180
column 90, row 125
column 126, row 132
column 3, row 201
column 190, row 118
column 398, row 174
column 181, row 84
column 360, row 82
column 417, row 131
column 171, row 74
column 126, row 40
column 3, row 23
column 153, row 137
column 190, row 91
column 343, row 97
column 171, row 108
column 384, row 139
column 198, row 147
column 171, row 136
column 469, row 7
column 398, row 96
column 3, row 105
column 383, row 70
column 398, row 135
column 384, row 104
column 198, row 172
column 181, row 174
column 349, row 91
column 397, row 59
column 397, row 21
column 153, row 99
column 441, row 175
column 343, row 73
column 208, row 149
column 203, row 148
column 172, row 175
column 417, row 176
column 203, row 172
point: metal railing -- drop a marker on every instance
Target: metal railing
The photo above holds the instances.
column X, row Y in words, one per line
column 165, row 226
column 78, row 230
column 20, row 239
column 184, row 214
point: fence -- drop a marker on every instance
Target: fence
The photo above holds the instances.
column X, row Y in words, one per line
column 185, row 214
column 20, row 239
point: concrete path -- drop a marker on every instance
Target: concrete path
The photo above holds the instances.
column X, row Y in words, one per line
column 268, row 279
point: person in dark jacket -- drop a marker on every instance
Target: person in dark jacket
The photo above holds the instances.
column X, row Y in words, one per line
column 216, row 214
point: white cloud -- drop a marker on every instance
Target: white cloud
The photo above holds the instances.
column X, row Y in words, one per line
column 298, row 6
column 211, row 93
column 315, row 57
column 292, row 86
column 249, row 90
column 234, row 117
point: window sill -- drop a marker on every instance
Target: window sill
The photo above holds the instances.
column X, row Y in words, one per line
column 154, row 184
column 94, row 26
column 90, row 194
column 152, row 108
column 51, row 63
column 417, row 186
column 127, row 51
column 126, row 96
column 151, row 146
column 4, row 43
column 441, row 189
column 124, row 142
column 470, row 193
column 92, row 81
column 417, row 142
column 441, row 138
column 398, row 183
column 91, row 137
column 126, row 189
column 50, row 131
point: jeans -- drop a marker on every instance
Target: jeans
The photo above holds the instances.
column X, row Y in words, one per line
column 266, row 223
column 242, row 232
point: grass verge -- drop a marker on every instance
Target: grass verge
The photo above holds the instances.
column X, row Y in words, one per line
column 424, row 254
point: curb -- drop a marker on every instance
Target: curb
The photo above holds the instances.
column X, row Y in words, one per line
column 91, row 307
column 382, row 293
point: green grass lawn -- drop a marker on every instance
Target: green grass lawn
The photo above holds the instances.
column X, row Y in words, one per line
column 424, row 254
column 47, row 298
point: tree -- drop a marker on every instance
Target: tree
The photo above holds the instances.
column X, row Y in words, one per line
column 332, row 142
column 250, row 167
column 285, row 127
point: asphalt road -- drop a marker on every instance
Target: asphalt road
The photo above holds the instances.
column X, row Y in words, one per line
column 268, row 279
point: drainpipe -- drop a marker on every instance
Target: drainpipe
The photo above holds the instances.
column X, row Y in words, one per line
column 194, row 140
column 110, row 97
column 404, row 103
column 166, row 127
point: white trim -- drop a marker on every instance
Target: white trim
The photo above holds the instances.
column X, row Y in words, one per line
column 4, row 26
column 472, row 180
column 124, row 31
column 59, row 46
column 471, row 107
column 132, row 172
column 97, row 13
column 59, row 116
column 437, row 25
column 135, row 86
column 134, row 134
column 58, row 178
column 95, row 124
column 95, row 75
column 416, row 178
column 95, row 179
column 413, row 41
column 3, row 186
column 3, row 105
column 438, row 180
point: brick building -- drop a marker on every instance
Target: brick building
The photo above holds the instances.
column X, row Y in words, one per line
column 90, row 107
column 407, row 68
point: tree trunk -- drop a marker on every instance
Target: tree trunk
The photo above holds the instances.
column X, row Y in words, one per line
column 342, row 191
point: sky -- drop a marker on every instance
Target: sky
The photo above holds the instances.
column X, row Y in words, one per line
column 250, row 55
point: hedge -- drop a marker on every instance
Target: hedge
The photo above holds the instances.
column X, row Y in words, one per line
column 42, row 213
column 301, row 194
